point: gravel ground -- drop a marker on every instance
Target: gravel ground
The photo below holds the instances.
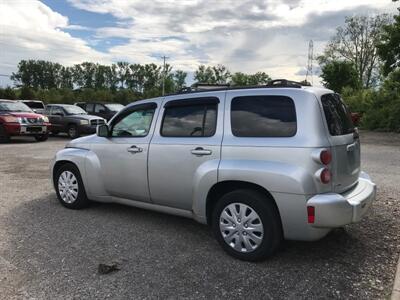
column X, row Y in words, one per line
column 49, row 252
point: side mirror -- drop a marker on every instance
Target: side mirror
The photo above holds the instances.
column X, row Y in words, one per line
column 102, row 130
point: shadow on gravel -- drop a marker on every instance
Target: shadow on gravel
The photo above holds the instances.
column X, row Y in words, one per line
column 159, row 256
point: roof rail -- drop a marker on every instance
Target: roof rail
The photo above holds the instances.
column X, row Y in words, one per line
column 204, row 87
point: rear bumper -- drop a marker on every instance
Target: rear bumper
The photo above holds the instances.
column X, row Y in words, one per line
column 336, row 210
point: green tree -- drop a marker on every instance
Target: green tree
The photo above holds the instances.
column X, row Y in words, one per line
column 179, row 79
column 9, row 93
column 26, row 93
column 338, row 74
column 389, row 46
column 205, row 75
column 356, row 42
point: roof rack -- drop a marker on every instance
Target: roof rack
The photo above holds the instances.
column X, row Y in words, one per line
column 205, row 87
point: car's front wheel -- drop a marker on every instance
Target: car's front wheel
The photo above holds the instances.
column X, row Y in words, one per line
column 73, row 131
column 69, row 187
column 247, row 225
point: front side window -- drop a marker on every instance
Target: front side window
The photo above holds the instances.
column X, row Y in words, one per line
column 55, row 110
column 194, row 120
column 263, row 116
column 89, row 107
column 338, row 117
column 99, row 108
column 134, row 124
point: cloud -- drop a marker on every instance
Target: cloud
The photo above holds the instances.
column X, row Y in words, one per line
column 31, row 30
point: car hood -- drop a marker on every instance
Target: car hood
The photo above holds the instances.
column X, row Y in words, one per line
column 85, row 117
column 25, row 115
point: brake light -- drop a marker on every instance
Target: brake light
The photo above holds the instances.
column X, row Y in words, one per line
column 311, row 214
column 325, row 157
column 325, row 176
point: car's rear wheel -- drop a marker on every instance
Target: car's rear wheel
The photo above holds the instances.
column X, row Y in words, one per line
column 41, row 137
column 69, row 187
column 4, row 137
column 247, row 225
column 73, row 131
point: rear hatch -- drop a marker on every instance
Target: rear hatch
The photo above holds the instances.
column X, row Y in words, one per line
column 345, row 144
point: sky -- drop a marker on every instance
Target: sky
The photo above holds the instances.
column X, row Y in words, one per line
column 247, row 35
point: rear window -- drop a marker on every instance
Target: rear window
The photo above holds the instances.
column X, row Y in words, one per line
column 337, row 115
column 263, row 116
column 34, row 104
column 197, row 120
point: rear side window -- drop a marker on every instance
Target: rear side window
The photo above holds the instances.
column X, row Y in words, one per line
column 337, row 115
column 89, row 107
column 263, row 116
column 193, row 120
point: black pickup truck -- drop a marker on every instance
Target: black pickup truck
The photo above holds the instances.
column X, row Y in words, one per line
column 71, row 119
column 104, row 110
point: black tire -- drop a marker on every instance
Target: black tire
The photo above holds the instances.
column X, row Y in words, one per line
column 4, row 137
column 81, row 200
column 270, row 221
column 73, row 131
column 41, row 137
column 54, row 133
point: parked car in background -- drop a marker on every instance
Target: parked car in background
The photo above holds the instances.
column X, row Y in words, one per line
column 17, row 119
column 104, row 110
column 36, row 105
column 257, row 164
column 72, row 120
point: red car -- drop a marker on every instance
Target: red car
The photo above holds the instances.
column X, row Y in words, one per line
column 17, row 119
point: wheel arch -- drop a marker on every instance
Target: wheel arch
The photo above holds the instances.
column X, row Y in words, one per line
column 58, row 164
column 221, row 188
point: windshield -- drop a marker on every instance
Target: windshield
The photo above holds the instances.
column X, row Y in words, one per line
column 34, row 104
column 114, row 106
column 14, row 107
column 74, row 110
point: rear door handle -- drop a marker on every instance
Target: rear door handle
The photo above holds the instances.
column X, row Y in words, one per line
column 351, row 147
column 199, row 151
column 134, row 149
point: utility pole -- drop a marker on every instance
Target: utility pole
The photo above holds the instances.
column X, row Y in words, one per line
column 164, row 73
column 310, row 62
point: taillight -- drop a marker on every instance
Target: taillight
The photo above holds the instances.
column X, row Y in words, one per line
column 311, row 214
column 325, row 176
column 325, row 157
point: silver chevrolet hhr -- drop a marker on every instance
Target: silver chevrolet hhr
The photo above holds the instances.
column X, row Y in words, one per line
column 258, row 165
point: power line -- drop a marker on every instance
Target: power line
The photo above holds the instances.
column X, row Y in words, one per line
column 164, row 74
column 5, row 75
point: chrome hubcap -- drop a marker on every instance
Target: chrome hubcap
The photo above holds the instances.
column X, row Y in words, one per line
column 241, row 227
column 68, row 187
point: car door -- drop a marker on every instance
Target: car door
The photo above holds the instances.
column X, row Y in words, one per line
column 56, row 115
column 100, row 110
column 123, row 155
column 187, row 138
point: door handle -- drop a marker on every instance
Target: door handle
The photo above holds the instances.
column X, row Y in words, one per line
column 134, row 149
column 199, row 151
column 351, row 147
